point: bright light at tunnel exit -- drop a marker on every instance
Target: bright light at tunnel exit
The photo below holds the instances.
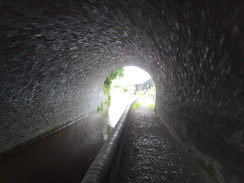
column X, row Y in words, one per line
column 135, row 82
column 134, row 75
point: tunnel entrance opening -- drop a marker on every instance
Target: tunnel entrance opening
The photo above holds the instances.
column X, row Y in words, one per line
column 133, row 84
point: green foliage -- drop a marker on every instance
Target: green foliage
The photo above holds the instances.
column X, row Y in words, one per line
column 124, row 90
column 104, row 105
column 117, row 86
column 114, row 75
column 109, row 129
column 153, row 88
column 152, row 106
column 108, row 82
column 136, row 105
column 100, row 108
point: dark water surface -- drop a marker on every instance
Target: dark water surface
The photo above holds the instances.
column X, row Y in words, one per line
column 61, row 157
column 66, row 155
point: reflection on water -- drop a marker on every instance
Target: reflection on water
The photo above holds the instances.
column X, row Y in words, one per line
column 106, row 131
column 117, row 106
column 63, row 156
column 119, row 102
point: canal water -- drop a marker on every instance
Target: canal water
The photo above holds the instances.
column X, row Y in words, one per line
column 63, row 156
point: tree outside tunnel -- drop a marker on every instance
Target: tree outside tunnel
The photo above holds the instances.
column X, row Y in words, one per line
column 108, row 82
column 107, row 86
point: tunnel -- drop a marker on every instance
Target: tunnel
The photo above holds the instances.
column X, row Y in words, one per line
column 55, row 56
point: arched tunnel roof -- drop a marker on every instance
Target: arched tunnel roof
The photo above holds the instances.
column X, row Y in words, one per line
column 55, row 56
column 67, row 48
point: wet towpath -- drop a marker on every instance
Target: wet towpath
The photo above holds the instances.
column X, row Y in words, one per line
column 152, row 155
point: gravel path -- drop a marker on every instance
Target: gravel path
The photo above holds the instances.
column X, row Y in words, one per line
column 152, row 155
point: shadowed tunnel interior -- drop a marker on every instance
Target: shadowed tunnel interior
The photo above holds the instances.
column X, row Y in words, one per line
column 55, row 56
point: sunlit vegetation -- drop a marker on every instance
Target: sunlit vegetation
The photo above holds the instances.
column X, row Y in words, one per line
column 103, row 104
column 109, row 129
column 124, row 89
column 152, row 106
column 117, row 86
column 107, row 86
column 136, row 105
column 108, row 82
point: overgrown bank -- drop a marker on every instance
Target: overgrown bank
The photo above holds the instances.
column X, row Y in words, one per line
column 107, row 86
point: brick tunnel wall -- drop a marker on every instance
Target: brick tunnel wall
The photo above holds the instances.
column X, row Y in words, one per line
column 55, row 56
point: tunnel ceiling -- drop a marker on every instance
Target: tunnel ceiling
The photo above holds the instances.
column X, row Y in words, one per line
column 55, row 42
column 56, row 54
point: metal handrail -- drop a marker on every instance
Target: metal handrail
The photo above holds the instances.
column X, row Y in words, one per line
column 99, row 169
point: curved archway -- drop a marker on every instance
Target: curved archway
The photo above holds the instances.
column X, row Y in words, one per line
column 55, row 56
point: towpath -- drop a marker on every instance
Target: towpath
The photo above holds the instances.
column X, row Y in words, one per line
column 152, row 155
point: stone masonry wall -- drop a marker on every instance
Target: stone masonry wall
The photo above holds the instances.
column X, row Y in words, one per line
column 56, row 54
